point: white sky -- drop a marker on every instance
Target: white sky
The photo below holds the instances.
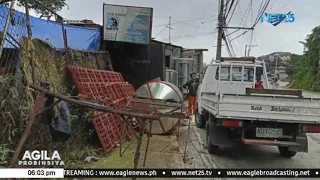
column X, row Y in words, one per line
column 200, row 33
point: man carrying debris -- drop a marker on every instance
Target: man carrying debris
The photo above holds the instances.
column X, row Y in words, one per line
column 192, row 86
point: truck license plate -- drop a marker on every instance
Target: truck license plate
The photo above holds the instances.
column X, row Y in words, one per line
column 268, row 132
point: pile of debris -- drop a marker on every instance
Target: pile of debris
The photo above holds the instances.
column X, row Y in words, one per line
column 110, row 89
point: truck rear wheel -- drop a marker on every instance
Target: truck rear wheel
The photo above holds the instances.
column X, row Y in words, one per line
column 200, row 120
column 212, row 149
column 285, row 152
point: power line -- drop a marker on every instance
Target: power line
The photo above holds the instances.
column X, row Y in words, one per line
column 233, row 32
column 251, row 10
column 227, row 40
column 240, row 35
column 234, row 9
column 260, row 8
column 197, row 34
column 228, row 48
column 190, row 20
column 226, row 7
column 251, row 3
column 230, row 8
column 161, row 31
column 251, row 37
column 274, row 2
column 245, row 15
column 263, row 10
column 196, row 31
column 194, row 35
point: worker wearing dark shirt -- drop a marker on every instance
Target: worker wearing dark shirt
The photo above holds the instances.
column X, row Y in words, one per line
column 192, row 86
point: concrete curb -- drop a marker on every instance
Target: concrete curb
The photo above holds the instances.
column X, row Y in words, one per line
column 311, row 92
column 205, row 156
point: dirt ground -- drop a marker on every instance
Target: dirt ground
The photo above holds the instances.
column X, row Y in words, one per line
column 163, row 152
column 166, row 151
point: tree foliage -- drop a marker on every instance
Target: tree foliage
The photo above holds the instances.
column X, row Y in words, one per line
column 54, row 5
column 307, row 74
column 293, row 66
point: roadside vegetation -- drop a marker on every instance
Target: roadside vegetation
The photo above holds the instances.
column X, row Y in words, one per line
column 305, row 68
column 15, row 106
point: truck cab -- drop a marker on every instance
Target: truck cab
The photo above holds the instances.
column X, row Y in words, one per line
column 233, row 75
column 231, row 108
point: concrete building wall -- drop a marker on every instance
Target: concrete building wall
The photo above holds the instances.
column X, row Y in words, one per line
column 196, row 54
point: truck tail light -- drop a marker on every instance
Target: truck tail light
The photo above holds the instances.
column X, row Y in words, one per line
column 311, row 128
column 228, row 123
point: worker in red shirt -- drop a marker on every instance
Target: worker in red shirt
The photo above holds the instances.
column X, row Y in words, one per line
column 259, row 83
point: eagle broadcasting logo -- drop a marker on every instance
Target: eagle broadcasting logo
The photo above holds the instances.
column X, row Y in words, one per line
column 36, row 158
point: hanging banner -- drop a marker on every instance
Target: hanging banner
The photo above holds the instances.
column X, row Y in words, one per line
column 127, row 23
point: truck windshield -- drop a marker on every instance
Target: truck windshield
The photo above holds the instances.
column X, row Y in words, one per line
column 236, row 74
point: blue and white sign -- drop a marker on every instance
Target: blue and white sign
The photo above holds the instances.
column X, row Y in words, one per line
column 127, row 24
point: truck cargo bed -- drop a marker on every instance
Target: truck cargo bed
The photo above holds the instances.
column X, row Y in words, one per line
column 263, row 107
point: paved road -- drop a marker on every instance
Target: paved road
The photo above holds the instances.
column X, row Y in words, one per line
column 249, row 156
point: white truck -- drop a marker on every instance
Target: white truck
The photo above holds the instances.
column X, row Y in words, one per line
column 231, row 109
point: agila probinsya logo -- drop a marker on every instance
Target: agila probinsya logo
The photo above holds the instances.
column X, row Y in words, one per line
column 42, row 158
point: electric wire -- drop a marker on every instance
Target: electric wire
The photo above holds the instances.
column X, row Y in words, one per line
column 161, row 31
column 228, row 48
column 230, row 7
column 260, row 8
column 229, row 43
column 251, row 10
column 226, row 7
column 194, row 34
column 185, row 21
column 251, row 34
column 233, row 32
column 197, row 34
column 260, row 13
column 244, row 22
column 239, row 35
column 263, row 10
column 245, row 15
column 234, row 9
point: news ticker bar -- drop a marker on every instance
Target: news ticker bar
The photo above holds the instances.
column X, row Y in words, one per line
column 156, row 173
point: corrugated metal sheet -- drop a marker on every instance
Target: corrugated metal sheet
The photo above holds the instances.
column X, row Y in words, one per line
column 157, row 59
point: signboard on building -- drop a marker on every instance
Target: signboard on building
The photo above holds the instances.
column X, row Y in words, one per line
column 127, row 23
column 188, row 54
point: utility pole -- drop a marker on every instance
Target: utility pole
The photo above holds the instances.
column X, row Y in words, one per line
column 245, row 51
column 249, row 48
column 221, row 22
column 276, row 66
column 221, row 26
column 169, row 26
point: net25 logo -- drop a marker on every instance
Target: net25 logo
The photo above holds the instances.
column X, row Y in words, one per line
column 276, row 19
column 42, row 158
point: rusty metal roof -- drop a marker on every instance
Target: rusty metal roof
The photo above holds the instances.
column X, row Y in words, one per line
column 169, row 44
column 85, row 21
